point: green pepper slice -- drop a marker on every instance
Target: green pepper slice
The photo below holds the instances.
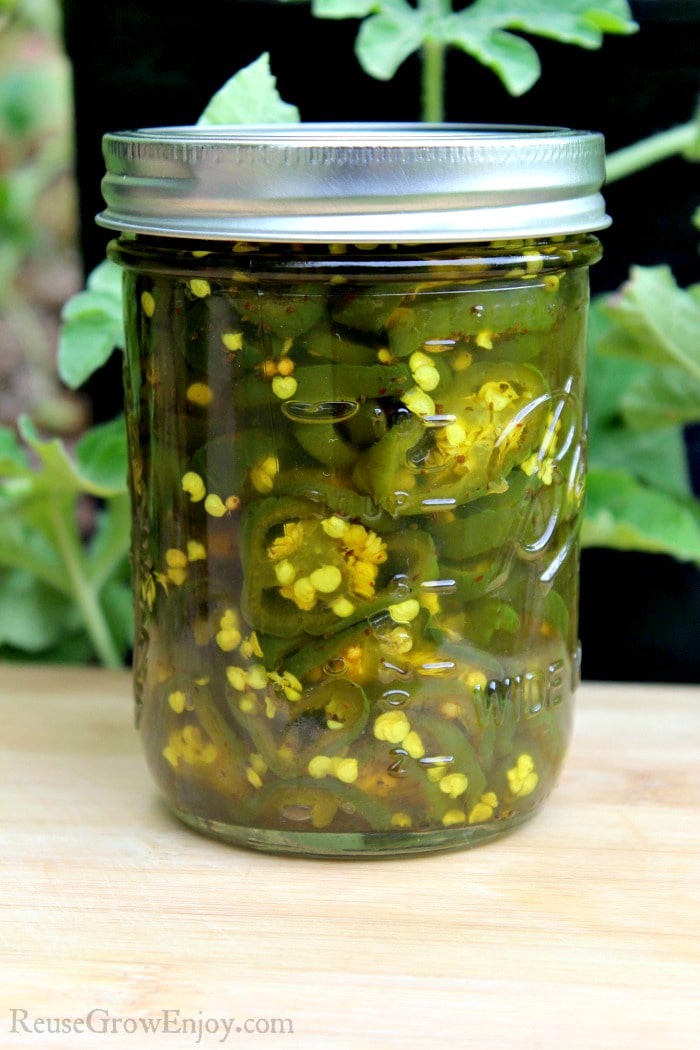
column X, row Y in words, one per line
column 310, row 571
column 491, row 419
column 520, row 306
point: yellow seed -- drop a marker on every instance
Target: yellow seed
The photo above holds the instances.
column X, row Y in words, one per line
column 285, row 573
column 534, row 260
column 384, row 356
column 400, row 640
column 214, row 505
column 200, row 394
column 258, row 763
column 401, row 820
column 462, row 361
column 550, row 283
column 435, row 773
column 418, row 359
column 177, row 701
column 285, row 367
column 304, row 591
column 484, row 339
column 256, row 677
column 476, row 680
column 342, row 608
column 270, row 466
column 483, row 810
column 455, row 434
column 228, row 619
column 228, row 640
column 479, row 813
column 453, row 816
column 200, row 255
column 334, row 527
column 345, row 769
column 418, row 402
column 292, row 680
column 236, row 678
column 200, row 287
column 319, row 767
column 427, row 377
column 177, row 576
column 454, row 784
column 253, row 777
column 413, row 744
column 326, row 579
column 247, row 704
column 233, row 341
column 261, row 481
column 148, row 304
column 196, row 551
column 392, row 726
column 522, row 778
column 284, row 387
column 193, row 485
column 337, row 249
column 175, row 558
column 171, row 756
column 404, row 612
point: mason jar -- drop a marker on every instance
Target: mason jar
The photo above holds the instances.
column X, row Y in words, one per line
column 354, row 376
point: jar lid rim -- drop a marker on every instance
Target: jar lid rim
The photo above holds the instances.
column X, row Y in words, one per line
column 354, row 181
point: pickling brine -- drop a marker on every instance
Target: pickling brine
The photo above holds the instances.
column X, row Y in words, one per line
column 357, row 475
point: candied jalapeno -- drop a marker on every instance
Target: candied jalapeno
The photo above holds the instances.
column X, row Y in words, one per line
column 362, row 504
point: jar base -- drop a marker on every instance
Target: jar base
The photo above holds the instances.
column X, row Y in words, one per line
column 352, row 845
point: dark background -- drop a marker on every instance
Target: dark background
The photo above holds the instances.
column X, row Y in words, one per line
column 157, row 64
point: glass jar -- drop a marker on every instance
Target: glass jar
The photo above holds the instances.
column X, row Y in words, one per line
column 354, row 400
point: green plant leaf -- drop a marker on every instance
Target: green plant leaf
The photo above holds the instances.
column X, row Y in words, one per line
column 109, row 545
column 481, row 31
column 624, row 514
column 101, row 456
column 511, row 58
column 63, row 474
column 118, row 603
column 92, row 326
column 250, row 96
column 654, row 320
column 13, row 458
column 344, row 8
column 24, row 547
column 580, row 22
column 386, row 40
column 662, row 397
column 656, row 457
column 396, row 29
column 33, row 616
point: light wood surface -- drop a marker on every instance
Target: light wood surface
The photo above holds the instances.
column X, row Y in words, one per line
column 579, row 930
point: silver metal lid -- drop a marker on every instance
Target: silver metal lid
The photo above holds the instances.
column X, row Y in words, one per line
column 354, row 182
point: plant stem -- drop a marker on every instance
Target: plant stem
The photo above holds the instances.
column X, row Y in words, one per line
column 433, row 63
column 433, row 82
column 94, row 621
column 640, row 155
